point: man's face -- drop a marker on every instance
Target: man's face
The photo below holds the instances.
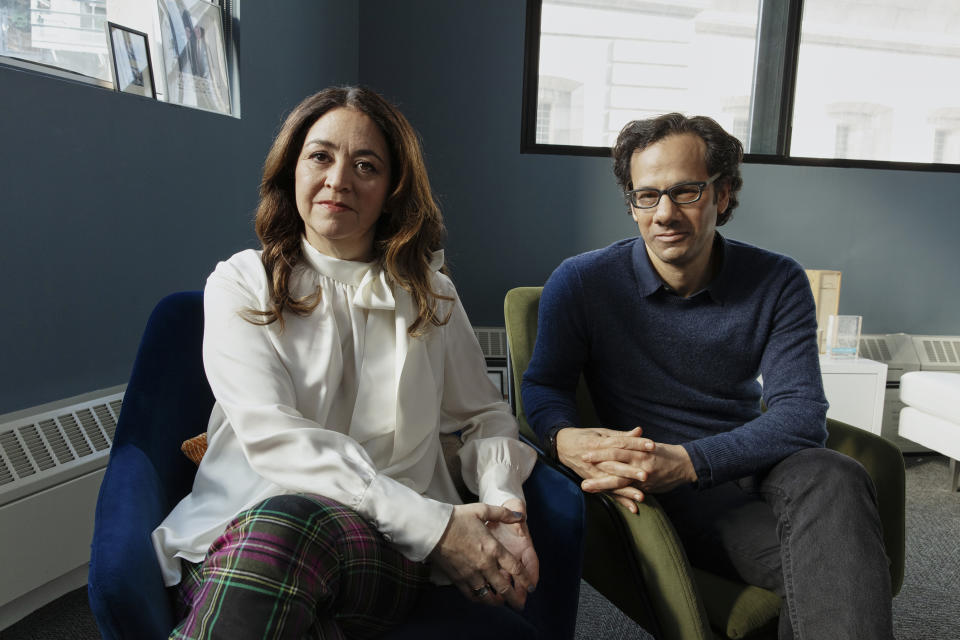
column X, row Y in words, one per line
column 680, row 236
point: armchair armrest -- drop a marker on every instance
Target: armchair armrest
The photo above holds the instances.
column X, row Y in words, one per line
column 125, row 586
column 884, row 462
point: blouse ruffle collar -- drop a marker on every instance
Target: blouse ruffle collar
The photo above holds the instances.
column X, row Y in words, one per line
column 372, row 282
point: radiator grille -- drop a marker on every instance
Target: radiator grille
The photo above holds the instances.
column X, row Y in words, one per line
column 42, row 456
column 56, row 441
column 493, row 341
column 18, row 459
column 91, row 427
column 6, row 476
column 942, row 352
column 875, row 349
column 37, row 451
column 72, row 430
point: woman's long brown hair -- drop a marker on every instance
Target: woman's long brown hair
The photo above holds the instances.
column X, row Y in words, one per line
column 408, row 231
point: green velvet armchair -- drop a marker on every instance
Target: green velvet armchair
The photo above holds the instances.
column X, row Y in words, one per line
column 637, row 561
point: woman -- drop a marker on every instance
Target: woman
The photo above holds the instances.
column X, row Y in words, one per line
column 337, row 355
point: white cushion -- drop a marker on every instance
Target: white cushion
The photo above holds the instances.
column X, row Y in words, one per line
column 930, row 431
column 933, row 392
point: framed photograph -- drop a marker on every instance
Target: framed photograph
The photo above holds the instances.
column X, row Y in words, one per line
column 132, row 70
column 194, row 54
column 498, row 376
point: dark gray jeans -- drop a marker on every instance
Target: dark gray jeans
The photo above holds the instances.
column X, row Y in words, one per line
column 807, row 530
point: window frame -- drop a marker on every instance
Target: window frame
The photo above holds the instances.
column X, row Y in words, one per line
column 774, row 90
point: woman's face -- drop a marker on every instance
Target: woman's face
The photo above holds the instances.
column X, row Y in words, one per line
column 342, row 179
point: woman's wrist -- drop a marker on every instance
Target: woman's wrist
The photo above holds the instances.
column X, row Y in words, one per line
column 515, row 504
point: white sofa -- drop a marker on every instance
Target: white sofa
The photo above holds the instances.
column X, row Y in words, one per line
column 931, row 415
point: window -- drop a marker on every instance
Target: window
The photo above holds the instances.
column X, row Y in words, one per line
column 68, row 38
column 64, row 34
column 841, row 82
column 637, row 59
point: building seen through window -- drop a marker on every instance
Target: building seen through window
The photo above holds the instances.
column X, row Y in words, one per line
column 946, row 145
column 874, row 72
column 874, row 81
column 638, row 62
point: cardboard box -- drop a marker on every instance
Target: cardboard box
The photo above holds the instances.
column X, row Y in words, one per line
column 826, row 294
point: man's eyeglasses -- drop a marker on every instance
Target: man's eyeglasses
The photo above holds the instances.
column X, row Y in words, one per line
column 683, row 193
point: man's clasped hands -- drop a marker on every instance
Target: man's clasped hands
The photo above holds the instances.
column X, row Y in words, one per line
column 623, row 463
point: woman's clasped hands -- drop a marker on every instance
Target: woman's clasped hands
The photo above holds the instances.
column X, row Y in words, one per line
column 487, row 552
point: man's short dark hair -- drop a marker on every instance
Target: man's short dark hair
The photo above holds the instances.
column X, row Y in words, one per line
column 724, row 152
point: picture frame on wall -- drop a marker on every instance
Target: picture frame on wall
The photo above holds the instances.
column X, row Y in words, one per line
column 130, row 55
column 194, row 54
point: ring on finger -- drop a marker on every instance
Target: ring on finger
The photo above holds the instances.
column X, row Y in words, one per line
column 481, row 591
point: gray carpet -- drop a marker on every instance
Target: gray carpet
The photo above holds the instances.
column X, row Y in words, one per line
column 928, row 607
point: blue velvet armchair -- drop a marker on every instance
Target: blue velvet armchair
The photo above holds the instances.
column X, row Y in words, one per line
column 167, row 401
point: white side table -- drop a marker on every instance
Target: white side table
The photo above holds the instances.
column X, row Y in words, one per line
column 855, row 390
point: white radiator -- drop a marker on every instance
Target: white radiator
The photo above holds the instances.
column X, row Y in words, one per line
column 52, row 459
column 493, row 341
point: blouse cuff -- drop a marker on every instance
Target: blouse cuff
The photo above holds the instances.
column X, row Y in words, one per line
column 495, row 468
column 500, row 483
column 412, row 522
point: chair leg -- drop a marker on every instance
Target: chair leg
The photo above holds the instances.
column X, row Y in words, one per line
column 954, row 475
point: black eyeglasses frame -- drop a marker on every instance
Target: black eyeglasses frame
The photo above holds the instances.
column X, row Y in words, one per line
column 631, row 194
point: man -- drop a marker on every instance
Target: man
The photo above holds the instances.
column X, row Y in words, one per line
column 671, row 331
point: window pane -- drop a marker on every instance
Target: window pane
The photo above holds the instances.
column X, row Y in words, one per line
column 878, row 81
column 68, row 34
column 69, row 37
column 601, row 66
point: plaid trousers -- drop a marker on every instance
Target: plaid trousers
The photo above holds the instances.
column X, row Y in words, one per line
column 294, row 567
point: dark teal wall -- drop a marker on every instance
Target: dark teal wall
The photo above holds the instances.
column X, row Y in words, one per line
column 111, row 201
column 457, row 71
column 895, row 235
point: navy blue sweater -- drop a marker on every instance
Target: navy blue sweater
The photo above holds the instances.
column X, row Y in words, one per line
column 684, row 369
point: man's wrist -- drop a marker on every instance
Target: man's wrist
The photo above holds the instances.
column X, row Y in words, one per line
column 550, row 440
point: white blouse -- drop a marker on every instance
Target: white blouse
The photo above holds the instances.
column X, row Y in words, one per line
column 341, row 403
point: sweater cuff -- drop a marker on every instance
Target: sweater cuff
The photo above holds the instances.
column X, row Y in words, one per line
column 700, row 465
column 412, row 522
